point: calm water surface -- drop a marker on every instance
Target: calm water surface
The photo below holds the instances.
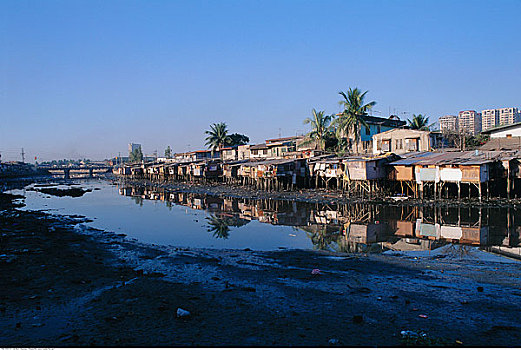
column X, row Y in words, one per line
column 154, row 215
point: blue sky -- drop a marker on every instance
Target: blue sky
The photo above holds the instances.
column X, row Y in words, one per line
column 85, row 78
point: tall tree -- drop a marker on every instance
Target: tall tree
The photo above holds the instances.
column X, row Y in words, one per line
column 168, row 152
column 136, row 155
column 353, row 115
column 320, row 128
column 419, row 122
column 238, row 140
column 217, row 136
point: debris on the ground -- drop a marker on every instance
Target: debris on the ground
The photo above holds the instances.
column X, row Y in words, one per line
column 181, row 313
column 423, row 316
column 333, row 341
column 316, row 272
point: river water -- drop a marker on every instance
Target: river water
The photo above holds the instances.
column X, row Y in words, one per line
column 157, row 216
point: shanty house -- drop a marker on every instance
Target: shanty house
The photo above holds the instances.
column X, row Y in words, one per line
column 376, row 125
column 259, row 151
column 400, row 141
column 229, row 153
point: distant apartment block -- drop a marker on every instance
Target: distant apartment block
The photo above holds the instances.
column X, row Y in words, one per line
column 469, row 122
column 509, row 116
column 489, row 118
column 448, row 123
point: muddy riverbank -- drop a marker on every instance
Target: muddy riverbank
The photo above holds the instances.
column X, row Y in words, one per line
column 66, row 284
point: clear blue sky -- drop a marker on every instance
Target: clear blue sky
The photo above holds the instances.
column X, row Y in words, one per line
column 85, row 78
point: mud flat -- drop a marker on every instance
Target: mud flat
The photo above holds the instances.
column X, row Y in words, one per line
column 63, row 283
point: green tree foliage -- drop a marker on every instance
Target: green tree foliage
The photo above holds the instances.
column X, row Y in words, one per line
column 320, row 129
column 419, row 122
column 217, row 136
column 353, row 115
column 168, row 152
column 136, row 155
column 238, row 140
column 476, row 141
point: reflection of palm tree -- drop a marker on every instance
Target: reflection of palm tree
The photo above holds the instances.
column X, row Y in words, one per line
column 322, row 239
column 219, row 226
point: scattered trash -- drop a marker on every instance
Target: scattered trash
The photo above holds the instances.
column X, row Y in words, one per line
column 459, row 342
column 423, row 316
column 316, row 272
column 414, row 309
column 333, row 341
column 379, row 298
column 412, row 334
column 421, row 339
column 181, row 313
column 480, row 289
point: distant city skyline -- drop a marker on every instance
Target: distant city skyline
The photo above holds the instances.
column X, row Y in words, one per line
column 83, row 79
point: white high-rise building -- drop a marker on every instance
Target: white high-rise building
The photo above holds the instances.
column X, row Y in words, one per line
column 489, row 118
column 509, row 115
column 469, row 122
column 448, row 123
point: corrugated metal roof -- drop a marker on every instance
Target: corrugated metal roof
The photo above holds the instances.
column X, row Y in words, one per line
column 453, row 158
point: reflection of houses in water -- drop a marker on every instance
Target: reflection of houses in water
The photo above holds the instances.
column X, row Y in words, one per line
column 361, row 227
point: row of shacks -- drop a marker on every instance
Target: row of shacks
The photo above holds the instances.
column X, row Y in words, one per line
column 419, row 175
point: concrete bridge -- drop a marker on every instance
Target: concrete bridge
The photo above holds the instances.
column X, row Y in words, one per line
column 87, row 170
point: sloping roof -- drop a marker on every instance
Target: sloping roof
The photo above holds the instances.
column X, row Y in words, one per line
column 452, row 158
column 502, row 144
column 271, row 162
column 370, row 158
column 281, row 139
column 259, row 146
column 502, row 128
column 384, row 121
column 403, row 129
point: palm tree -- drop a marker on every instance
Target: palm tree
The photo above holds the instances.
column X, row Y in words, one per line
column 320, row 128
column 217, row 136
column 352, row 118
column 419, row 122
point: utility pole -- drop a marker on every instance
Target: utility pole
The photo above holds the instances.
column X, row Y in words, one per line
column 23, row 156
